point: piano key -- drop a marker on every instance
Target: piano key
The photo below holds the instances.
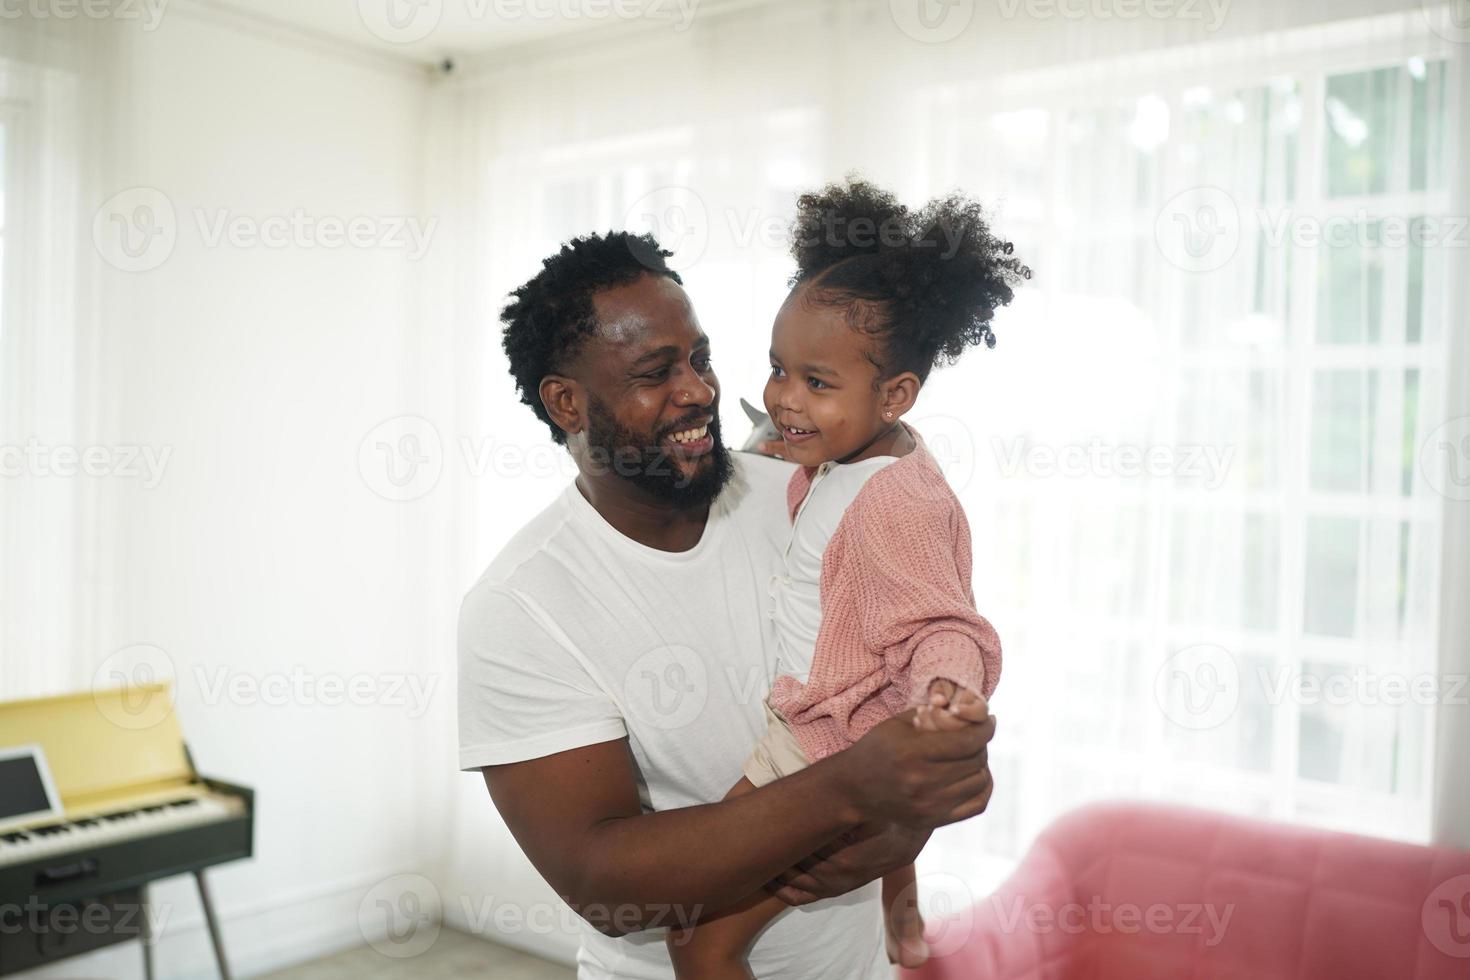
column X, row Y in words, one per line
column 145, row 821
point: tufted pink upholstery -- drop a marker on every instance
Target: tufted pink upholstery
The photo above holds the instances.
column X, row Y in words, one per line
column 1302, row 904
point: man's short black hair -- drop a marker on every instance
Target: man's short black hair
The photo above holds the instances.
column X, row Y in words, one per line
column 551, row 315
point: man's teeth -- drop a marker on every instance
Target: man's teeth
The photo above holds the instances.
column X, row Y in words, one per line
column 690, row 435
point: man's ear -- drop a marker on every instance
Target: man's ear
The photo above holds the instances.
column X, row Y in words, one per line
column 899, row 394
column 564, row 402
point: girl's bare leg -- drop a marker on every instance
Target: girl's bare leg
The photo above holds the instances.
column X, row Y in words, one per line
column 716, row 948
column 949, row 709
column 903, row 925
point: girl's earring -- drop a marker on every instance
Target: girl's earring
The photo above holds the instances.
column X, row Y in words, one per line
column 888, row 415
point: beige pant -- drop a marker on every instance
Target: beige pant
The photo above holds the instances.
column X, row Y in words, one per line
column 777, row 754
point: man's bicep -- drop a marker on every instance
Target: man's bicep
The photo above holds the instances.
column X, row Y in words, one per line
column 554, row 803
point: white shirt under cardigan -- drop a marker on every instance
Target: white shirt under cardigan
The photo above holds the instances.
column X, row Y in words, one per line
column 577, row 635
column 795, row 589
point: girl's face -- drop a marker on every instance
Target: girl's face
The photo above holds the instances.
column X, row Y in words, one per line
column 822, row 394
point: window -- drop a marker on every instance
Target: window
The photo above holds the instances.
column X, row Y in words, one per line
column 1204, row 537
column 41, row 399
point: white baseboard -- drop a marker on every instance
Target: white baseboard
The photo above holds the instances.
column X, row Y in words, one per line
column 557, row 946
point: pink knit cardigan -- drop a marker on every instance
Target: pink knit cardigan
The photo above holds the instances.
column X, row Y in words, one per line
column 897, row 608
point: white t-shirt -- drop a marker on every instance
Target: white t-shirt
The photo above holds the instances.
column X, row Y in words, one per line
column 796, row 593
column 577, row 634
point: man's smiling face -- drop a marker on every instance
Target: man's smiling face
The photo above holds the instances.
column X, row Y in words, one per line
column 652, row 396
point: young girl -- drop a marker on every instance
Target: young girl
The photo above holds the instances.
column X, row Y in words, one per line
column 872, row 605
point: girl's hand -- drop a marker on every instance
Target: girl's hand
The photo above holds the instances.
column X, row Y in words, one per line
column 968, row 705
column 775, row 447
column 940, row 692
column 935, row 716
column 950, row 708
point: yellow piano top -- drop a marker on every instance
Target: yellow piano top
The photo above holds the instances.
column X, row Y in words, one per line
column 105, row 745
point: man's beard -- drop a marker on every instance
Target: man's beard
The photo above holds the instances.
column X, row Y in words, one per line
column 646, row 462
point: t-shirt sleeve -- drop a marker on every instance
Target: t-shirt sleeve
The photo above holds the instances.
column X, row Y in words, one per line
column 524, row 691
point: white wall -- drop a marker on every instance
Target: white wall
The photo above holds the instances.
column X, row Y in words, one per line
column 264, row 551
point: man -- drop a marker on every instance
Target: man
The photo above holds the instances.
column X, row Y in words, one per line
column 613, row 663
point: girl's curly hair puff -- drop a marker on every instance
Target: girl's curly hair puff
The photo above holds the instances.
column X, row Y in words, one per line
column 927, row 283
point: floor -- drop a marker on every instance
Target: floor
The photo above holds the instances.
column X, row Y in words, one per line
column 453, row 954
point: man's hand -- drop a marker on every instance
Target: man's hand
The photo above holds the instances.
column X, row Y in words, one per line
column 921, row 779
column 849, row 862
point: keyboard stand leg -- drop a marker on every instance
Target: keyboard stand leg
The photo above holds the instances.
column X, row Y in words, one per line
column 214, row 936
column 145, row 928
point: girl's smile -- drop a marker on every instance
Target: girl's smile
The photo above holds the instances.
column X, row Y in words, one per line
column 824, row 394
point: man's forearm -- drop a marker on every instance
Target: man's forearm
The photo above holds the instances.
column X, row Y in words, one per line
column 672, row 866
column 577, row 816
column 850, row 862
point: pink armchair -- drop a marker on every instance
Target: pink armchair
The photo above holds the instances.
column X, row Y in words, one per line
column 1138, row 892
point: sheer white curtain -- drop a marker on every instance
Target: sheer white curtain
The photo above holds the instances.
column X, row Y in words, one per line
column 1227, row 246
column 1452, row 787
column 53, row 121
column 1204, row 523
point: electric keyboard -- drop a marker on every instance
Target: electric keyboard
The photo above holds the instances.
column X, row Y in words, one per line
column 118, row 804
column 114, row 827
